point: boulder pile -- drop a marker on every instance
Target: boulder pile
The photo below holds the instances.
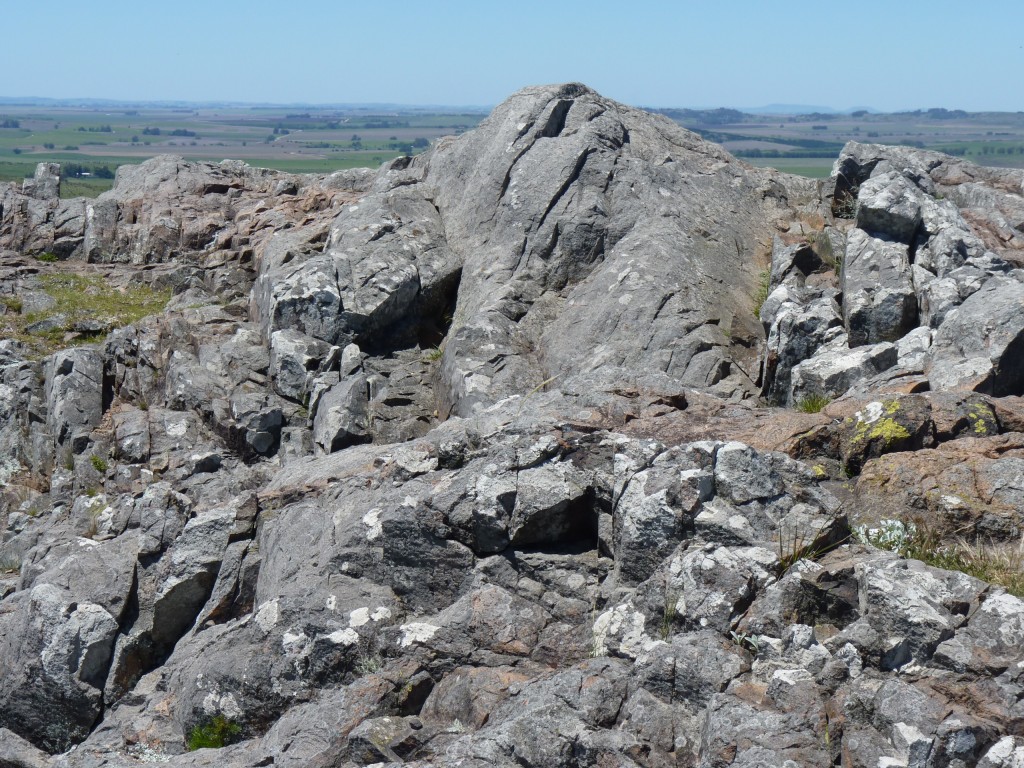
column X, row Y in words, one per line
column 494, row 457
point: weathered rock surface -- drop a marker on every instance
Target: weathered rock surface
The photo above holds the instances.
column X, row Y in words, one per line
column 460, row 462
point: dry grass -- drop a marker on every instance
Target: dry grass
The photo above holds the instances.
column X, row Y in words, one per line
column 998, row 563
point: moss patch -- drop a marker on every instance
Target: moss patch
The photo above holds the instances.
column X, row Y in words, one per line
column 217, row 733
column 86, row 308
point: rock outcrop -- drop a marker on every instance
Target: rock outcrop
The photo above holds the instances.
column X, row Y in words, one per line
column 477, row 459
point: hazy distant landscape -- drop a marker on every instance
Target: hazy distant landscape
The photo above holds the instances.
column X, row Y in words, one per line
column 807, row 144
column 91, row 140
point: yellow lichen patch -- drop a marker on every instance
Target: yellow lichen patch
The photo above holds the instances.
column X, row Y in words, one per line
column 889, row 430
column 872, row 424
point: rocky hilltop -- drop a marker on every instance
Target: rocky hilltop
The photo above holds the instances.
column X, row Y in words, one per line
column 573, row 441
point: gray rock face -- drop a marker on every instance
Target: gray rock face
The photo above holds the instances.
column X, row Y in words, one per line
column 45, row 183
column 835, row 369
column 460, row 462
column 549, row 236
column 890, row 204
column 35, row 220
column 74, row 398
column 879, row 302
column 342, row 415
column 979, row 345
column 798, row 330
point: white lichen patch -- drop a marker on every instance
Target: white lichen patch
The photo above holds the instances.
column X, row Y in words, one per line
column 372, row 521
column 359, row 617
column 175, row 427
column 267, row 615
column 343, row 637
column 624, row 623
column 872, row 412
column 294, row 642
column 416, row 632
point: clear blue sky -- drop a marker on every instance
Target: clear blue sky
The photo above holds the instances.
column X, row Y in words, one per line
column 901, row 54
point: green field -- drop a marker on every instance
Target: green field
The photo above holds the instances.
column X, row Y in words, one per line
column 812, row 167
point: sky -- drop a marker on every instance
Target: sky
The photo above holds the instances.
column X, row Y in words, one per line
column 893, row 55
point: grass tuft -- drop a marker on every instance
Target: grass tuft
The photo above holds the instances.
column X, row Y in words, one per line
column 813, row 403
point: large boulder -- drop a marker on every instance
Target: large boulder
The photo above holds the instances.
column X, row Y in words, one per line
column 980, row 346
column 879, row 302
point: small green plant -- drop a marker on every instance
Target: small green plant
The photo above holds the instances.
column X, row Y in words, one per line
column 751, row 643
column 812, row 403
column 368, row 665
column 215, row 733
column 12, row 303
column 761, row 295
column 434, row 354
column 804, row 544
column 890, row 534
column 98, row 463
column 49, row 258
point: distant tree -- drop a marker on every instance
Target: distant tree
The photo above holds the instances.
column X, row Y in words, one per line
column 48, row 146
column 135, row 139
column 421, row 143
column 9, row 123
